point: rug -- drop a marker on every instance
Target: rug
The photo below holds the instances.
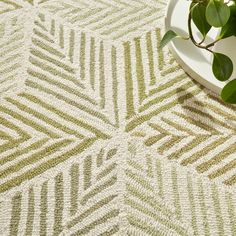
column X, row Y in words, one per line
column 101, row 132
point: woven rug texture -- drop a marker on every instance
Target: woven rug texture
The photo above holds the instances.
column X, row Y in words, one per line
column 101, row 132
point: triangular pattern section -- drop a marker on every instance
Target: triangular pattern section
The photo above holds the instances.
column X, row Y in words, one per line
column 101, row 132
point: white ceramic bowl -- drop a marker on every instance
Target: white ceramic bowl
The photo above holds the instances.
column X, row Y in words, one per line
column 196, row 62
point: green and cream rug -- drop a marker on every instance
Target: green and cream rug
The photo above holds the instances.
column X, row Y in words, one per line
column 101, row 133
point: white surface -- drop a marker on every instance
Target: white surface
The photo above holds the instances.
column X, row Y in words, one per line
column 196, row 62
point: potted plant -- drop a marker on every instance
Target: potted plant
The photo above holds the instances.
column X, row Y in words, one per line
column 220, row 14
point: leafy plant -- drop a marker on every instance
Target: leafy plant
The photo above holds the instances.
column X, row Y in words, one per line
column 206, row 14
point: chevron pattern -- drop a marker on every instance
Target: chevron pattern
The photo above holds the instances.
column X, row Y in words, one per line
column 192, row 201
column 101, row 132
column 59, row 199
column 95, row 15
column 12, row 45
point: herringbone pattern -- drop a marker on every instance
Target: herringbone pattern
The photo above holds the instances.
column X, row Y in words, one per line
column 101, row 133
column 111, row 19
column 12, row 46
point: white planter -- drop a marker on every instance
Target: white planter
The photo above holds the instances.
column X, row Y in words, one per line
column 196, row 62
column 228, row 47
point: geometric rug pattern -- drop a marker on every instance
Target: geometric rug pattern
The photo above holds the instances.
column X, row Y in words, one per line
column 101, row 132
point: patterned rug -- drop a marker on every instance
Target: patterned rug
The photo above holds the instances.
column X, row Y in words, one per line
column 101, row 133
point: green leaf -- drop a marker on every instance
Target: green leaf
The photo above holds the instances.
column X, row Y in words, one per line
column 228, row 93
column 169, row 35
column 198, row 13
column 217, row 13
column 229, row 29
column 222, row 66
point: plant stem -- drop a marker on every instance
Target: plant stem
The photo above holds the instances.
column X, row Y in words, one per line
column 191, row 32
column 202, row 41
column 199, row 45
column 213, row 43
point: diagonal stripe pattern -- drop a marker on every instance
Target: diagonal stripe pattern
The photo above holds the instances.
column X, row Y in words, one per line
column 103, row 133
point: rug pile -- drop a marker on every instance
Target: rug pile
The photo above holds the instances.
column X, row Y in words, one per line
column 101, row 132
